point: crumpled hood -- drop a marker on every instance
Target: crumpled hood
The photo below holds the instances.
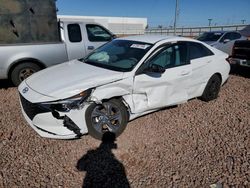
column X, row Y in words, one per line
column 69, row 79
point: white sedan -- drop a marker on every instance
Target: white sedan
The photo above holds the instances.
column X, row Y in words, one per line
column 123, row 79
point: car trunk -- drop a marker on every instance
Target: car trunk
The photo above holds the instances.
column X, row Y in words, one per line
column 241, row 50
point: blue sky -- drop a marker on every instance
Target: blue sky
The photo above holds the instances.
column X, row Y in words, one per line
column 161, row 12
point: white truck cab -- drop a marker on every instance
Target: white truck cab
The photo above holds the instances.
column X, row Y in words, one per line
column 81, row 38
column 78, row 39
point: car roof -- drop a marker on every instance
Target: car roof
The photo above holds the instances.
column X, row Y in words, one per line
column 152, row 39
column 217, row 31
column 222, row 32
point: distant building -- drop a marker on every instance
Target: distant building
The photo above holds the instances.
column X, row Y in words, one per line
column 118, row 25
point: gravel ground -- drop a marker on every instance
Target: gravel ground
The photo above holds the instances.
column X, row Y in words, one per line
column 196, row 144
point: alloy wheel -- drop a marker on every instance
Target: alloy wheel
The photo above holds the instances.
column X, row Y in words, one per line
column 106, row 117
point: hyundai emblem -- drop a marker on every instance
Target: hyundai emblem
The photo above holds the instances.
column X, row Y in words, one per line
column 25, row 90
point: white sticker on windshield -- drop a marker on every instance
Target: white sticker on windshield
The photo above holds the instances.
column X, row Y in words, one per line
column 140, row 46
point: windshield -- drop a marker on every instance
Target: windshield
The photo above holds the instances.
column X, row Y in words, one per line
column 118, row 55
column 210, row 36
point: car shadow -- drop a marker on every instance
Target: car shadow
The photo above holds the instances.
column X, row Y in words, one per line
column 240, row 71
column 158, row 110
column 101, row 166
column 5, row 84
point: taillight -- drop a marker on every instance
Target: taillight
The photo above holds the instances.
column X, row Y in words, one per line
column 228, row 59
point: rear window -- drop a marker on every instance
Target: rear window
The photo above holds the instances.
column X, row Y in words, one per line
column 74, row 32
column 197, row 50
column 210, row 36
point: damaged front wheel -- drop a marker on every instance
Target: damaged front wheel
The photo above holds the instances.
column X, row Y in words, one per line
column 110, row 116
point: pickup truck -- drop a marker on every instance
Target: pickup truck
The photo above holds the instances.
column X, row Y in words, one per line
column 240, row 53
column 77, row 39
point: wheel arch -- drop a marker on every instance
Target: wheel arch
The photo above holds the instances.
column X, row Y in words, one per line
column 20, row 61
column 120, row 98
column 218, row 74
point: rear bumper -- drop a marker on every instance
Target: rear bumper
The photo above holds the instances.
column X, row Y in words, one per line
column 240, row 62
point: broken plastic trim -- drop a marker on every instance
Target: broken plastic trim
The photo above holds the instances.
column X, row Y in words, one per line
column 68, row 123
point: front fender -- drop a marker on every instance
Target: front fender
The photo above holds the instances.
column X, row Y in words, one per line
column 122, row 88
column 119, row 88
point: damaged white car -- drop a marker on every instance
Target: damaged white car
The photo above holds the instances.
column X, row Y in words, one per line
column 122, row 80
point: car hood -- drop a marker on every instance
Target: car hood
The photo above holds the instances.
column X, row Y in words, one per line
column 69, row 79
column 210, row 42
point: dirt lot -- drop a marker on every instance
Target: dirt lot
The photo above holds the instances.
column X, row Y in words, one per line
column 193, row 145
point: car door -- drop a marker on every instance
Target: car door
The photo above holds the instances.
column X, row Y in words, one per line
column 155, row 90
column 96, row 36
column 201, row 58
column 74, row 41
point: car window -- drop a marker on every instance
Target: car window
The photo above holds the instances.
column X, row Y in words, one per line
column 97, row 33
column 210, row 36
column 172, row 56
column 197, row 50
column 235, row 36
column 226, row 36
column 74, row 33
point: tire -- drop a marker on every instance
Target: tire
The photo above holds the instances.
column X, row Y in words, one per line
column 212, row 88
column 23, row 71
column 101, row 119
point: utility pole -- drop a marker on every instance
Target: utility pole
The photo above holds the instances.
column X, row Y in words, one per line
column 243, row 21
column 176, row 15
column 209, row 21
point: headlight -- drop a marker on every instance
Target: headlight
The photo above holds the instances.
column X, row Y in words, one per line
column 67, row 104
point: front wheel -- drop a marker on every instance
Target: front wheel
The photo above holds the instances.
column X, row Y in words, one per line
column 23, row 71
column 110, row 116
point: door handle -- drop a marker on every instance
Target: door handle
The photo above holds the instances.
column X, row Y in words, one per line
column 91, row 47
column 184, row 73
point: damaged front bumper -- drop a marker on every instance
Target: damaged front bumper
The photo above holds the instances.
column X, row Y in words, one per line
column 51, row 123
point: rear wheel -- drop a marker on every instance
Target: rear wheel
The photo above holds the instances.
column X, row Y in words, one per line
column 212, row 89
column 110, row 116
column 23, row 71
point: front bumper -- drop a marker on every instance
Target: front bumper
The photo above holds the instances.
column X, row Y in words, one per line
column 51, row 123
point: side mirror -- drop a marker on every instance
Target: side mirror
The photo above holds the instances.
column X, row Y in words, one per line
column 113, row 36
column 226, row 41
column 154, row 68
